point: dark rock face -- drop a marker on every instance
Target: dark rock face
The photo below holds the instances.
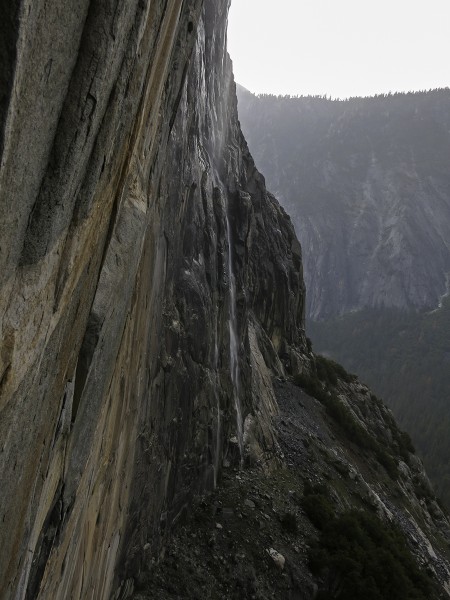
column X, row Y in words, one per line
column 126, row 190
column 367, row 184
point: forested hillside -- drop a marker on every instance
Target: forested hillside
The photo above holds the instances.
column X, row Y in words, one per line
column 367, row 184
column 406, row 359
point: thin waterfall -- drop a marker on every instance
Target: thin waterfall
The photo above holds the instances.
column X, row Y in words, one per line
column 234, row 358
column 218, row 418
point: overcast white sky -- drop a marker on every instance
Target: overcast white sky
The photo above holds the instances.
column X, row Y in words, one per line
column 340, row 47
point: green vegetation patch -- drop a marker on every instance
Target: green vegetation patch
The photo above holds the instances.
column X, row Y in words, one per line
column 359, row 556
column 321, row 386
column 319, row 509
column 329, row 371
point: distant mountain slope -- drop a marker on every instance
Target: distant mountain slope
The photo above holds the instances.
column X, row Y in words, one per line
column 367, row 184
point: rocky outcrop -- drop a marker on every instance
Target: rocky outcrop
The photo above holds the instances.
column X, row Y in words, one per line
column 367, row 185
column 255, row 535
column 142, row 258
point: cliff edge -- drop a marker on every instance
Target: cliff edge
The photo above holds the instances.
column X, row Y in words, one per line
column 150, row 286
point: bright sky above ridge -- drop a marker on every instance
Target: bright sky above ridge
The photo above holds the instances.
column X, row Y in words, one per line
column 340, row 48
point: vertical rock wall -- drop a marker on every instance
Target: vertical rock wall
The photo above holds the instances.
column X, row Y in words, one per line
column 122, row 158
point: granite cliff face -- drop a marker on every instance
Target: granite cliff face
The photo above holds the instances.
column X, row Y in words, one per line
column 367, row 184
column 151, row 291
column 135, row 246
